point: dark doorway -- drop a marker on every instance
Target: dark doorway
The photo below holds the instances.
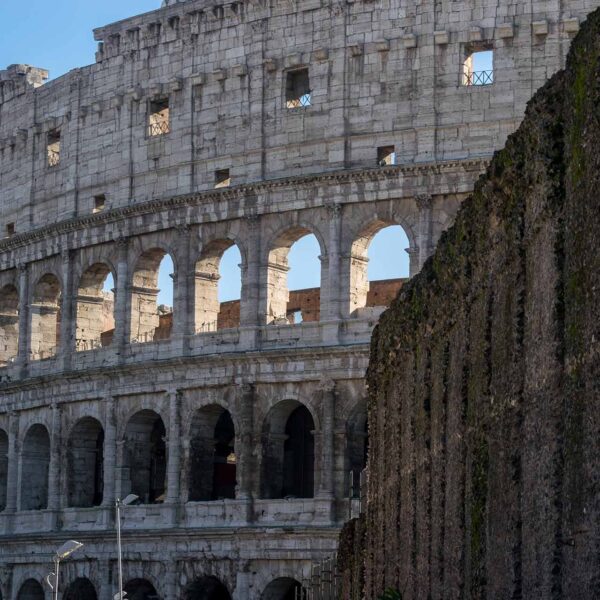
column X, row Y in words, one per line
column 206, row 588
column 299, row 455
column 212, row 455
column 140, row 589
column 81, row 589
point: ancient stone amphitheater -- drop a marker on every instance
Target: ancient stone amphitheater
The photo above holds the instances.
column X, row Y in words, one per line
column 201, row 126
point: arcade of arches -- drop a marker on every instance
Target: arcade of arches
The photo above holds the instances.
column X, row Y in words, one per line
column 132, row 313
column 202, row 588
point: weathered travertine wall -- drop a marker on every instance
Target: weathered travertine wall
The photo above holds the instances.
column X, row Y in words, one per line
column 484, row 461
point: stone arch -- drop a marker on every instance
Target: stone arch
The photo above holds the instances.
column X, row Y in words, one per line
column 9, row 324
column 81, row 589
column 284, row 588
column 147, row 322
column 209, row 313
column 31, row 589
column 3, row 468
column 288, row 452
column 35, row 463
column 45, row 317
column 145, row 457
column 140, row 589
column 206, row 588
column 278, row 309
column 94, row 309
column 361, row 294
column 212, row 464
column 85, row 462
column 356, row 447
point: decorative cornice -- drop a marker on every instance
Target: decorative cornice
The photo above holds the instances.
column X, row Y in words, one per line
column 236, row 193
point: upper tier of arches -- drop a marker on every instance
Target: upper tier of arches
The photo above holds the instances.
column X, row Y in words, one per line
column 113, row 294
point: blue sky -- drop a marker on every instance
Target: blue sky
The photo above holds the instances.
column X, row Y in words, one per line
column 58, row 36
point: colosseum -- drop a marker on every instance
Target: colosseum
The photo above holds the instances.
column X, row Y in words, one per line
column 240, row 426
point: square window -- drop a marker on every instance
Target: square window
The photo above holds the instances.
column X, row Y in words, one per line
column 53, row 148
column 478, row 67
column 158, row 117
column 222, row 178
column 297, row 89
column 10, row 229
column 99, row 203
column 386, row 155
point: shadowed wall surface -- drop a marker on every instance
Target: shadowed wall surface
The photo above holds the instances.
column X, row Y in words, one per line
column 484, row 416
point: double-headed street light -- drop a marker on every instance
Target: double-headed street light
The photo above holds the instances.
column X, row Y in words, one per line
column 130, row 499
column 63, row 552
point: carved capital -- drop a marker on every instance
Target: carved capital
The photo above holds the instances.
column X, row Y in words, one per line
column 327, row 385
column 22, row 268
column 424, row 201
column 122, row 242
column 334, row 211
column 247, row 389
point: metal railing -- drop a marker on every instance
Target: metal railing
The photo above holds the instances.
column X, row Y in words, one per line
column 159, row 128
column 478, row 78
column 324, row 582
column 301, row 102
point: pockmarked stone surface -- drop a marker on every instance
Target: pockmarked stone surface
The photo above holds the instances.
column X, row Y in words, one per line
column 484, row 378
column 240, row 426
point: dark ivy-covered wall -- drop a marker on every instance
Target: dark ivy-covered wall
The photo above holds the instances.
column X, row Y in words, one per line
column 484, row 381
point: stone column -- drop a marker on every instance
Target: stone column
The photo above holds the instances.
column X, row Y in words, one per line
column 331, row 302
column 106, row 589
column 183, row 302
column 327, row 388
column 12, row 476
column 251, row 285
column 424, row 240
column 174, row 445
column 54, row 468
column 110, row 450
column 122, row 291
column 24, row 337
column 66, row 343
column 246, row 471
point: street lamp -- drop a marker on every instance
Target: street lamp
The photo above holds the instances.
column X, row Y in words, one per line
column 63, row 552
column 130, row 499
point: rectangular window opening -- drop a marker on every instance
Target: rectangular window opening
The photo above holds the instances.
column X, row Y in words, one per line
column 478, row 67
column 222, row 178
column 10, row 229
column 158, row 118
column 53, row 148
column 99, row 203
column 386, row 156
column 297, row 89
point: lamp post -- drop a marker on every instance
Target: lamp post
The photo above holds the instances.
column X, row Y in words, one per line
column 63, row 552
column 130, row 499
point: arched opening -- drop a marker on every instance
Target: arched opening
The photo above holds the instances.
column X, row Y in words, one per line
column 140, row 589
column 94, row 312
column 294, row 278
column 152, row 296
column 357, row 445
column 145, row 457
column 375, row 280
column 206, row 588
column 45, row 317
column 288, row 462
column 212, row 462
column 284, row 588
column 9, row 324
column 31, row 590
column 81, row 589
column 85, row 460
column 35, row 461
column 3, row 468
column 218, row 287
